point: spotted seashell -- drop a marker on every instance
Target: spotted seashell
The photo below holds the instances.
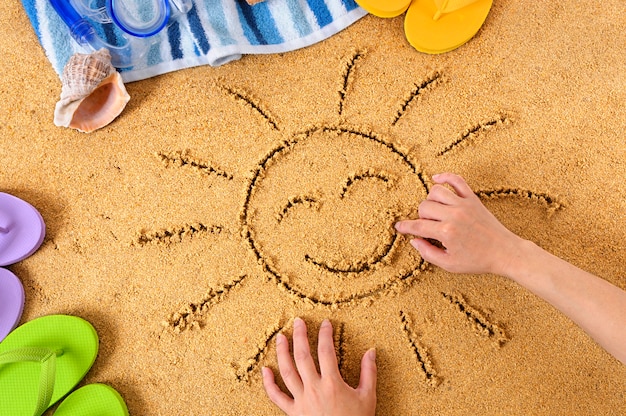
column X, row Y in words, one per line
column 93, row 93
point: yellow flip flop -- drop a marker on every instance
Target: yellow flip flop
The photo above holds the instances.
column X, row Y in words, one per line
column 384, row 8
column 438, row 26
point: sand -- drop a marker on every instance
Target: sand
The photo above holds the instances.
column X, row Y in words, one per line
column 226, row 201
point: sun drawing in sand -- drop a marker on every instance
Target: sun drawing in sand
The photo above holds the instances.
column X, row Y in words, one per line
column 356, row 183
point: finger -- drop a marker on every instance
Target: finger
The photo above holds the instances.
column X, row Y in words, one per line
column 285, row 366
column 443, row 195
column 275, row 394
column 421, row 228
column 326, row 351
column 302, row 353
column 367, row 381
column 431, row 210
column 457, row 183
column 405, row 226
column 430, row 252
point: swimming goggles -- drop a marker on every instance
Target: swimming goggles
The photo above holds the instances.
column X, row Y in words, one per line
column 139, row 20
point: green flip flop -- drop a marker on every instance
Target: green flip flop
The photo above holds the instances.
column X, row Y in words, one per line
column 43, row 360
column 93, row 400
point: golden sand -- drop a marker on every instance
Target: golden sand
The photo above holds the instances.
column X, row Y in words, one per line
column 226, row 201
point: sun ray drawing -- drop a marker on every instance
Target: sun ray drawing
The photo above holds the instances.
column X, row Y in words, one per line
column 244, row 370
column 357, row 256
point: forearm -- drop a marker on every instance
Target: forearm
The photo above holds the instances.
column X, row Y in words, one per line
column 594, row 304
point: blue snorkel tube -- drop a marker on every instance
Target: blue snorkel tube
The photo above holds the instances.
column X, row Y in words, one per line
column 77, row 18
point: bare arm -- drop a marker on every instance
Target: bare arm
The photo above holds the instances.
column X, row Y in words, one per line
column 594, row 304
column 476, row 242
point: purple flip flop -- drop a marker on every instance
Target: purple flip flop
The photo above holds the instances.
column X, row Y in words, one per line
column 11, row 302
column 21, row 229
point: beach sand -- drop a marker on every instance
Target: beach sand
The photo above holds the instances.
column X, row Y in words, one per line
column 224, row 202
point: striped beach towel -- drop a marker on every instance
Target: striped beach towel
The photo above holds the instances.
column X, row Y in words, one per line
column 213, row 32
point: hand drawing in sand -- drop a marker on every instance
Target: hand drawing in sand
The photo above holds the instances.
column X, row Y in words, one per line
column 318, row 215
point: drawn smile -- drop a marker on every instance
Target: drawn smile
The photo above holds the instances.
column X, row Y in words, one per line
column 360, row 266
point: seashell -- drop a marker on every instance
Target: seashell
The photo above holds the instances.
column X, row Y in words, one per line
column 93, row 93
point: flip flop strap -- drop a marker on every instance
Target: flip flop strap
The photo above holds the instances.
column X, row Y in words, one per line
column 47, row 358
column 449, row 6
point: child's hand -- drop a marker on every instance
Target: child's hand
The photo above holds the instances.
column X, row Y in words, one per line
column 319, row 394
column 474, row 240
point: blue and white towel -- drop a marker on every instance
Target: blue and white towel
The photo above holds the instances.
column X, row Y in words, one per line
column 213, row 32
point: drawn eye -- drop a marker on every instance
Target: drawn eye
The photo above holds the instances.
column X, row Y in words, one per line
column 309, row 201
column 365, row 175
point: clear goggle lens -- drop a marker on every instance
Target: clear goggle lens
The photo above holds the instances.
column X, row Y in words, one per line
column 140, row 18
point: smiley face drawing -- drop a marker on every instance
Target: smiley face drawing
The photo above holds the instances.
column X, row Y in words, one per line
column 320, row 210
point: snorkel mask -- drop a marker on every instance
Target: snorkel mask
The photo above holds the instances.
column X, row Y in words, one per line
column 138, row 20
